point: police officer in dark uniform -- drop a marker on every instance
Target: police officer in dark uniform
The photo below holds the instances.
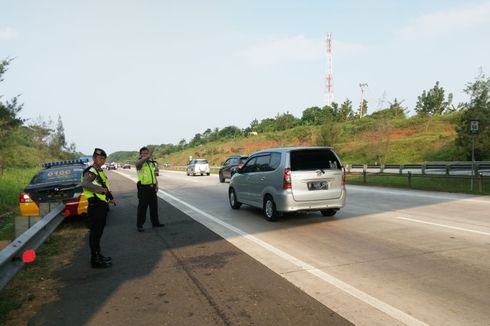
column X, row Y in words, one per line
column 96, row 190
column 147, row 190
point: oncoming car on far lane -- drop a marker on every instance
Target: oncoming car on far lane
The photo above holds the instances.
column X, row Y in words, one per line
column 58, row 182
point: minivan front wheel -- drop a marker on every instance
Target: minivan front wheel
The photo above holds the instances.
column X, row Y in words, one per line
column 234, row 203
column 270, row 211
column 329, row 212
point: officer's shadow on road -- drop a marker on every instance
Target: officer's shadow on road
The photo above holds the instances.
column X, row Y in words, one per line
column 84, row 290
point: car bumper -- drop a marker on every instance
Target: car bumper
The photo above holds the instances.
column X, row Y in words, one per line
column 286, row 203
column 73, row 207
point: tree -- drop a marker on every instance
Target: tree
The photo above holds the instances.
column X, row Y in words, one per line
column 433, row 102
column 345, row 112
column 363, row 106
column 313, row 116
column 229, row 132
column 58, row 140
column 9, row 119
column 477, row 109
column 285, row 121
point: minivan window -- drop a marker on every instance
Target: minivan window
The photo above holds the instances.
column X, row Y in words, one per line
column 262, row 163
column 275, row 161
column 249, row 166
column 313, row 159
column 202, row 161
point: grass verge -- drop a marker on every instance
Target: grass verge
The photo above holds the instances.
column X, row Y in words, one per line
column 35, row 285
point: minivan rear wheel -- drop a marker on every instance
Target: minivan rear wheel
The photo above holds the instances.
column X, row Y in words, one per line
column 221, row 178
column 234, row 203
column 329, row 212
column 270, row 211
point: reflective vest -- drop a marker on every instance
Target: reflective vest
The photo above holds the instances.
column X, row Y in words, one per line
column 97, row 181
column 146, row 175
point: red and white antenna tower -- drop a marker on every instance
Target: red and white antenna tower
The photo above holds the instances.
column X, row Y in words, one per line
column 329, row 70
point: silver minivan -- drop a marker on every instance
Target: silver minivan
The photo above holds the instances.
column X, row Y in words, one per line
column 291, row 179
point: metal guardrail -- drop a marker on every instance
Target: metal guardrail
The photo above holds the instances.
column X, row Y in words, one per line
column 10, row 257
column 456, row 167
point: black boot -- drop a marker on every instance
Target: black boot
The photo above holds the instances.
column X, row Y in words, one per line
column 97, row 262
column 104, row 258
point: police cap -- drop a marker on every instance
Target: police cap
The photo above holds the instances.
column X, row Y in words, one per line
column 99, row 152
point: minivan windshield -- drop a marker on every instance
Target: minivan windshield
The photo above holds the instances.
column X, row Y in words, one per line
column 314, row 159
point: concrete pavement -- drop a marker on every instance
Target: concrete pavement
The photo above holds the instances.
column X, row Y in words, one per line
column 182, row 274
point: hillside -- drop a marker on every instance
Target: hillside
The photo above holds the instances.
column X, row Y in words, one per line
column 404, row 140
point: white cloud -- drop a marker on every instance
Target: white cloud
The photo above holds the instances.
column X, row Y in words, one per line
column 294, row 49
column 7, row 33
column 443, row 23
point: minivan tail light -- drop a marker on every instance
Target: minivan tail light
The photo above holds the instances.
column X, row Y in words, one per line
column 287, row 179
column 25, row 198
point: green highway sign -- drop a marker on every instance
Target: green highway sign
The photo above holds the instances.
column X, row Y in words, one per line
column 474, row 126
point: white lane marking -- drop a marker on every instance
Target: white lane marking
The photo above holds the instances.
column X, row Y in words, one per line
column 364, row 297
column 442, row 225
column 421, row 194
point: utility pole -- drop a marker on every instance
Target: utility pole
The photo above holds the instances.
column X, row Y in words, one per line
column 363, row 86
column 329, row 79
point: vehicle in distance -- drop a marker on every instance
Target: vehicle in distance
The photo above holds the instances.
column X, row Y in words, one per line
column 58, row 182
column 112, row 166
column 198, row 166
column 280, row 180
column 126, row 166
column 227, row 169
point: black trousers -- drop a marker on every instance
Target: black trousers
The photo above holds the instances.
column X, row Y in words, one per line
column 147, row 197
column 97, row 215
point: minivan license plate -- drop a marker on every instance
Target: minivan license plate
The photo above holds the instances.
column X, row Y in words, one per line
column 317, row 185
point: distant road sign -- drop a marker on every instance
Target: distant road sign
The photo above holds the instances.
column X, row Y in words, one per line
column 474, row 126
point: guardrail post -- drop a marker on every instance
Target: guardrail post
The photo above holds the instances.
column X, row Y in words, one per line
column 401, row 169
column 364, row 168
column 423, row 168
column 364, row 176
column 480, row 182
column 382, row 168
column 410, row 179
column 349, row 168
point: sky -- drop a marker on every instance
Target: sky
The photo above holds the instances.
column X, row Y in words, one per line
column 125, row 74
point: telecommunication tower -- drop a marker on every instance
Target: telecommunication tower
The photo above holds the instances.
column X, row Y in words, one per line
column 329, row 70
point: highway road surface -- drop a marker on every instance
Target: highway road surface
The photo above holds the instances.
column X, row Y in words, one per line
column 390, row 257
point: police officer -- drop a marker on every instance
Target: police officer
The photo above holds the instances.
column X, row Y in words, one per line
column 147, row 190
column 96, row 190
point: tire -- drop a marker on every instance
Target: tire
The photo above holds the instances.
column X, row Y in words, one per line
column 270, row 212
column 221, row 178
column 208, row 173
column 234, row 203
column 329, row 212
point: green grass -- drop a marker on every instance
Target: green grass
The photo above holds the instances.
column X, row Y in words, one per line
column 20, row 290
column 12, row 182
column 445, row 183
